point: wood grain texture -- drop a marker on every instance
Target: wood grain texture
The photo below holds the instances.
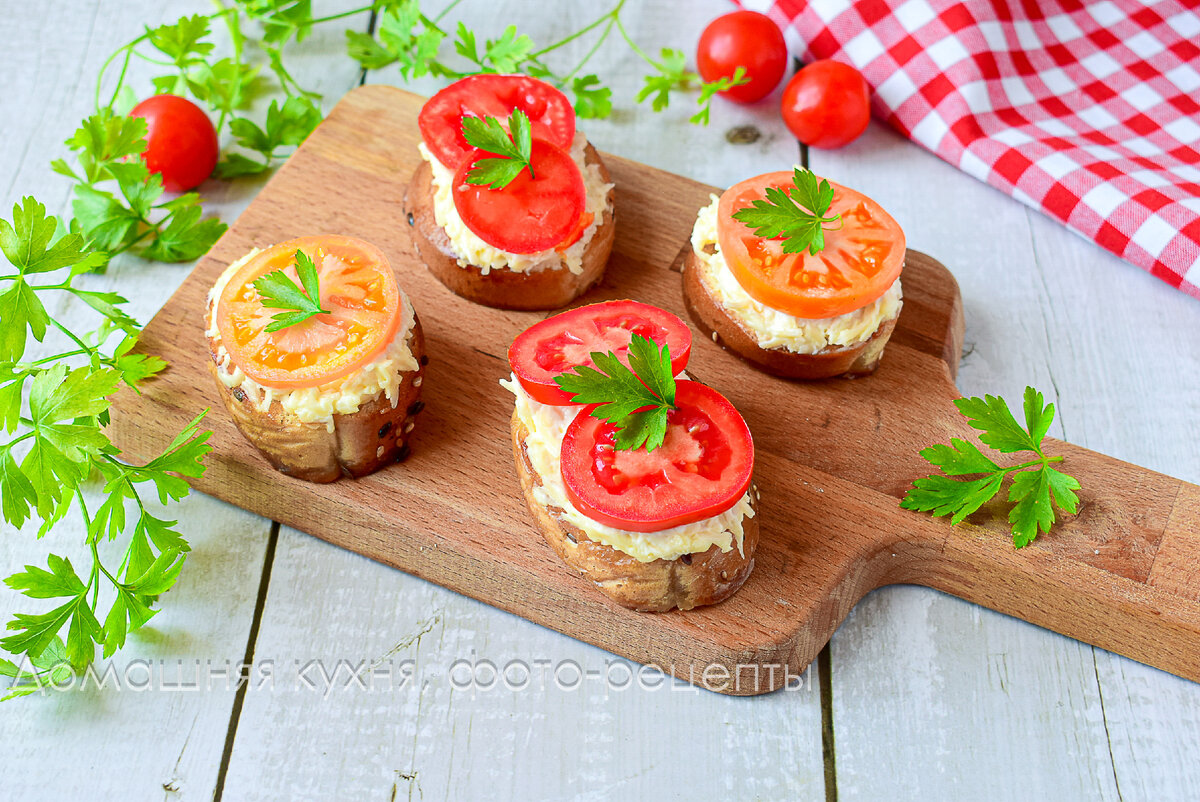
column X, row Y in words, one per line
column 830, row 471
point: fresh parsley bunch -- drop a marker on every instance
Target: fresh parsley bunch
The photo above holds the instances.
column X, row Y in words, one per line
column 53, row 411
column 1036, row 487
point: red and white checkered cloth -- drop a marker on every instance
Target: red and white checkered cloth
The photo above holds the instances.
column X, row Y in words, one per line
column 1088, row 111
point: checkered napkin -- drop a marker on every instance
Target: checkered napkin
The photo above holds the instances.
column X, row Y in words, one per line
column 1087, row 111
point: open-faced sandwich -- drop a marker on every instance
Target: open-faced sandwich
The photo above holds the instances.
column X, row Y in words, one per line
column 511, row 206
column 318, row 356
column 797, row 275
column 637, row 476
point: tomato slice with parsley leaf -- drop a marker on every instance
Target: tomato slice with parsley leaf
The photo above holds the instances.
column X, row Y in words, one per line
column 858, row 264
column 530, row 214
column 565, row 341
column 356, row 285
column 703, row 467
column 551, row 115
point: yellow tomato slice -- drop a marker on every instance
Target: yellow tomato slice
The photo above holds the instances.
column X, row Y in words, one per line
column 858, row 264
column 358, row 288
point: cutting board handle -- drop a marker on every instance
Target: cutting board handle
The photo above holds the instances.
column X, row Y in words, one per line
column 1122, row 574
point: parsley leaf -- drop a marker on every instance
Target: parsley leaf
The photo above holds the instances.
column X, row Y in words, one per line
column 801, row 224
column 225, row 85
column 710, row 90
column 507, row 53
column 406, row 36
column 183, row 42
column 107, row 223
column 1001, row 431
column 182, row 235
column 22, row 312
column 592, row 100
column 38, row 583
column 635, row 398
column 286, row 125
column 19, row 495
column 105, row 139
column 670, row 75
column 363, row 48
column 513, row 148
column 1036, row 488
column 31, row 242
column 277, row 291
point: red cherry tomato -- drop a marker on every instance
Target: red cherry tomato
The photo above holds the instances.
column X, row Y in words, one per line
column 529, row 215
column 181, row 144
column 551, row 116
column 563, row 342
column 743, row 39
column 702, row 468
column 827, row 104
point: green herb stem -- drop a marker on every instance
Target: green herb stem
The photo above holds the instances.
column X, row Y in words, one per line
column 449, row 7
column 611, row 16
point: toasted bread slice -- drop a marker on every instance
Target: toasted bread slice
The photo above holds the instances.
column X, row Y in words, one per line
column 361, row 442
column 715, row 321
column 503, row 289
column 689, row 581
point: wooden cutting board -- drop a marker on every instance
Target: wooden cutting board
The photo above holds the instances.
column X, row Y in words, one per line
column 833, row 458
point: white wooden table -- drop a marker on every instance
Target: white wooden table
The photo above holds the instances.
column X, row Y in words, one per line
column 919, row 695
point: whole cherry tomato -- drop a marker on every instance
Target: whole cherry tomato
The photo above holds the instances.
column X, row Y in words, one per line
column 827, row 104
column 743, row 39
column 181, row 141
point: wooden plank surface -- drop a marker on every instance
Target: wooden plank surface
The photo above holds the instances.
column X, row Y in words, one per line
column 1096, row 328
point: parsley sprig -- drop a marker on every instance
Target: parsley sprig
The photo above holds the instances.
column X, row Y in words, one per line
column 53, row 410
column 513, row 149
column 1036, row 487
column 798, row 214
column 635, row 398
column 412, row 41
column 277, row 291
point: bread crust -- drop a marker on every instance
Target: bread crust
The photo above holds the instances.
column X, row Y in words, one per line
column 686, row 582
column 504, row 289
column 715, row 321
column 361, row 442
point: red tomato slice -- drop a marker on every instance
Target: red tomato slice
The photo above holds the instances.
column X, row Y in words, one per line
column 562, row 342
column 551, row 116
column 702, row 468
column 358, row 288
column 529, row 215
column 576, row 233
column 860, row 261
